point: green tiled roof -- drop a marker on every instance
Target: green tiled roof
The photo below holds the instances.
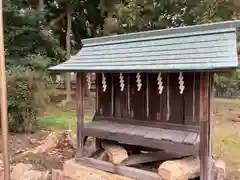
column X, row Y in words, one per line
column 201, row 47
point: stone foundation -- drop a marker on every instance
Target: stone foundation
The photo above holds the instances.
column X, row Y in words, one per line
column 77, row 171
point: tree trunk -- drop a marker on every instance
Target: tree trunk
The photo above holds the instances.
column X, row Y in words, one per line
column 68, row 46
column 110, row 25
column 40, row 5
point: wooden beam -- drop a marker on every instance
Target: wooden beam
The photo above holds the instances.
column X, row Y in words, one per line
column 80, row 114
column 119, row 169
column 204, row 110
column 149, row 157
column 3, row 97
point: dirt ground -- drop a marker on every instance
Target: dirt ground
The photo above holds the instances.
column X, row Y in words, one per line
column 19, row 143
column 226, row 139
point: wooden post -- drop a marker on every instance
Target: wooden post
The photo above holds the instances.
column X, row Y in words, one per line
column 97, row 95
column 128, row 96
column 210, row 124
column 205, row 137
column 112, row 96
column 168, row 97
column 80, row 114
column 3, row 97
column 147, row 94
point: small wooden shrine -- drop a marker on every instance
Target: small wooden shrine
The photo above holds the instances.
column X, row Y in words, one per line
column 154, row 89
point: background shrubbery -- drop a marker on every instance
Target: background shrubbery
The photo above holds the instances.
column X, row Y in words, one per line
column 28, row 92
column 30, row 50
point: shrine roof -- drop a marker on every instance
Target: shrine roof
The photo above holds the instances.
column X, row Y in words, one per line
column 200, row 47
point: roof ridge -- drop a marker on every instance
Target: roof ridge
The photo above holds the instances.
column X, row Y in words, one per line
column 163, row 33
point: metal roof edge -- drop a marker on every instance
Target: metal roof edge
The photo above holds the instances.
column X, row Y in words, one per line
column 171, row 31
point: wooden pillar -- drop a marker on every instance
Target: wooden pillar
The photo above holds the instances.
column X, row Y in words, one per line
column 147, row 95
column 210, row 124
column 128, row 96
column 97, row 95
column 112, row 95
column 80, row 114
column 205, row 129
column 4, row 105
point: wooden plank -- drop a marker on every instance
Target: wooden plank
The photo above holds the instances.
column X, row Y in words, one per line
column 174, row 135
column 204, row 126
column 138, row 131
column 119, row 169
column 104, row 98
column 190, row 138
column 152, row 134
column 138, row 98
column 150, row 123
column 149, row 157
column 120, row 96
column 178, row 148
column 80, row 114
column 188, row 96
column 123, row 128
column 176, row 102
column 154, row 105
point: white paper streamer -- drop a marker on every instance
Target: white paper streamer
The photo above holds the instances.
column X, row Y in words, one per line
column 181, row 83
column 139, row 81
column 121, row 80
column 104, row 84
column 160, row 83
column 89, row 83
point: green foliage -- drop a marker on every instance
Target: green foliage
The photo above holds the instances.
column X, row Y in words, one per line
column 86, row 19
column 138, row 15
column 29, row 50
column 28, row 91
column 227, row 82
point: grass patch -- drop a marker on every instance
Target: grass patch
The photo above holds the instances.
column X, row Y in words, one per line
column 62, row 118
column 222, row 101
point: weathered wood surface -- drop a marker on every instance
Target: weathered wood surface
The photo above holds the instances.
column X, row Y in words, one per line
column 149, row 123
column 170, row 140
column 181, row 169
column 148, row 103
column 119, row 169
column 205, row 129
column 149, row 157
column 80, row 114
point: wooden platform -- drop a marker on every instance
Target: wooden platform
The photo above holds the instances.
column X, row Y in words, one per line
column 175, row 141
